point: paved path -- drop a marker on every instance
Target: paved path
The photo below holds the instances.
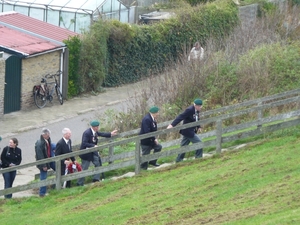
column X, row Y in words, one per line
column 17, row 122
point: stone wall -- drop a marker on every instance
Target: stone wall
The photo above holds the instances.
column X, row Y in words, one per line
column 248, row 15
column 33, row 69
column 2, row 85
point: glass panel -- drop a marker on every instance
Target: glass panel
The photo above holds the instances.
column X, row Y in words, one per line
column 22, row 10
column 67, row 20
column 37, row 13
column 124, row 16
column 7, row 8
column 106, row 7
column 52, row 17
column 83, row 22
column 115, row 5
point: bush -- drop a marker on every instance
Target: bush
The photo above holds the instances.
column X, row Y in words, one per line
column 74, row 45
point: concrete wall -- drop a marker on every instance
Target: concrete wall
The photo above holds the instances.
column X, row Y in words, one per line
column 33, row 69
column 2, row 85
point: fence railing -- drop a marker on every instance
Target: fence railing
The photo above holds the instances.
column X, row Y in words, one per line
column 257, row 118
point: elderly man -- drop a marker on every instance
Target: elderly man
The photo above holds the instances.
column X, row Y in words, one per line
column 191, row 114
column 149, row 124
column 90, row 140
column 64, row 146
column 43, row 151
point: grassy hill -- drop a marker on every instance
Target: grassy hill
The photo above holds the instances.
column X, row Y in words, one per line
column 258, row 184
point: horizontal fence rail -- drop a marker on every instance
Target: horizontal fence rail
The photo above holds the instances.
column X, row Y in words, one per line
column 260, row 124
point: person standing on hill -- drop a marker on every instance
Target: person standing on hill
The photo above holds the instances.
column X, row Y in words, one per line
column 11, row 156
column 148, row 125
column 64, row 146
column 191, row 114
column 90, row 140
column 197, row 52
column 43, row 151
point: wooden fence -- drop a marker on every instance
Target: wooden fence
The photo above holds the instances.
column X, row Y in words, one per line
column 247, row 119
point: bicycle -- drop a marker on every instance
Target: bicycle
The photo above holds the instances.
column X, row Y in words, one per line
column 42, row 93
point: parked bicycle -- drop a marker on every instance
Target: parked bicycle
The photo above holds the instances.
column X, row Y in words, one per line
column 43, row 94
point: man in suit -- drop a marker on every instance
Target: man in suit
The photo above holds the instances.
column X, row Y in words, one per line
column 148, row 125
column 90, row 140
column 64, row 146
column 191, row 114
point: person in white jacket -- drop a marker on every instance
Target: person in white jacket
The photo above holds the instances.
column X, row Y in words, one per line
column 196, row 53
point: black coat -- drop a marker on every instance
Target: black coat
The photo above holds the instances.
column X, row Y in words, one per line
column 63, row 148
column 148, row 125
column 89, row 141
column 188, row 116
column 11, row 155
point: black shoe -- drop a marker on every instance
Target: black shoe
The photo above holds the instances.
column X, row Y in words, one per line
column 94, row 180
column 154, row 164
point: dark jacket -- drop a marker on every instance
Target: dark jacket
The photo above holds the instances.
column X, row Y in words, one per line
column 41, row 152
column 188, row 116
column 89, row 141
column 148, row 125
column 11, row 155
column 63, row 148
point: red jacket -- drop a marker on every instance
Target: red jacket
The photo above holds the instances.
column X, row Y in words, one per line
column 78, row 167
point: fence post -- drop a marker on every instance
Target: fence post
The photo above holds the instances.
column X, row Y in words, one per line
column 259, row 115
column 137, row 157
column 219, row 136
column 58, row 174
column 110, row 154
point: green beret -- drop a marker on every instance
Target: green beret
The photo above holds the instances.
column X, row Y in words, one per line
column 95, row 123
column 198, row 101
column 154, row 109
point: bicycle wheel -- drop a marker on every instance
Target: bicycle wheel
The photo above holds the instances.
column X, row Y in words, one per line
column 59, row 95
column 39, row 100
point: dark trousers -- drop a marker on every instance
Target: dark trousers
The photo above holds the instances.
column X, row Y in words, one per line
column 186, row 141
column 146, row 149
column 85, row 165
column 9, row 178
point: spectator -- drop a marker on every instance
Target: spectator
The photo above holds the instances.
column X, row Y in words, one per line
column 43, row 151
column 197, row 52
column 90, row 140
column 64, row 146
column 148, row 125
column 10, row 156
column 191, row 114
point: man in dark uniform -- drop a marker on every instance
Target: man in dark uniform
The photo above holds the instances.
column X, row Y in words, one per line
column 191, row 114
column 148, row 125
column 90, row 140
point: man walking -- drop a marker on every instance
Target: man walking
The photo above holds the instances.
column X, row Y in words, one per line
column 191, row 114
column 64, row 146
column 148, row 125
column 43, row 151
column 90, row 140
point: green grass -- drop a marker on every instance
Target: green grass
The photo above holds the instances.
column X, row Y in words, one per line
column 258, row 184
